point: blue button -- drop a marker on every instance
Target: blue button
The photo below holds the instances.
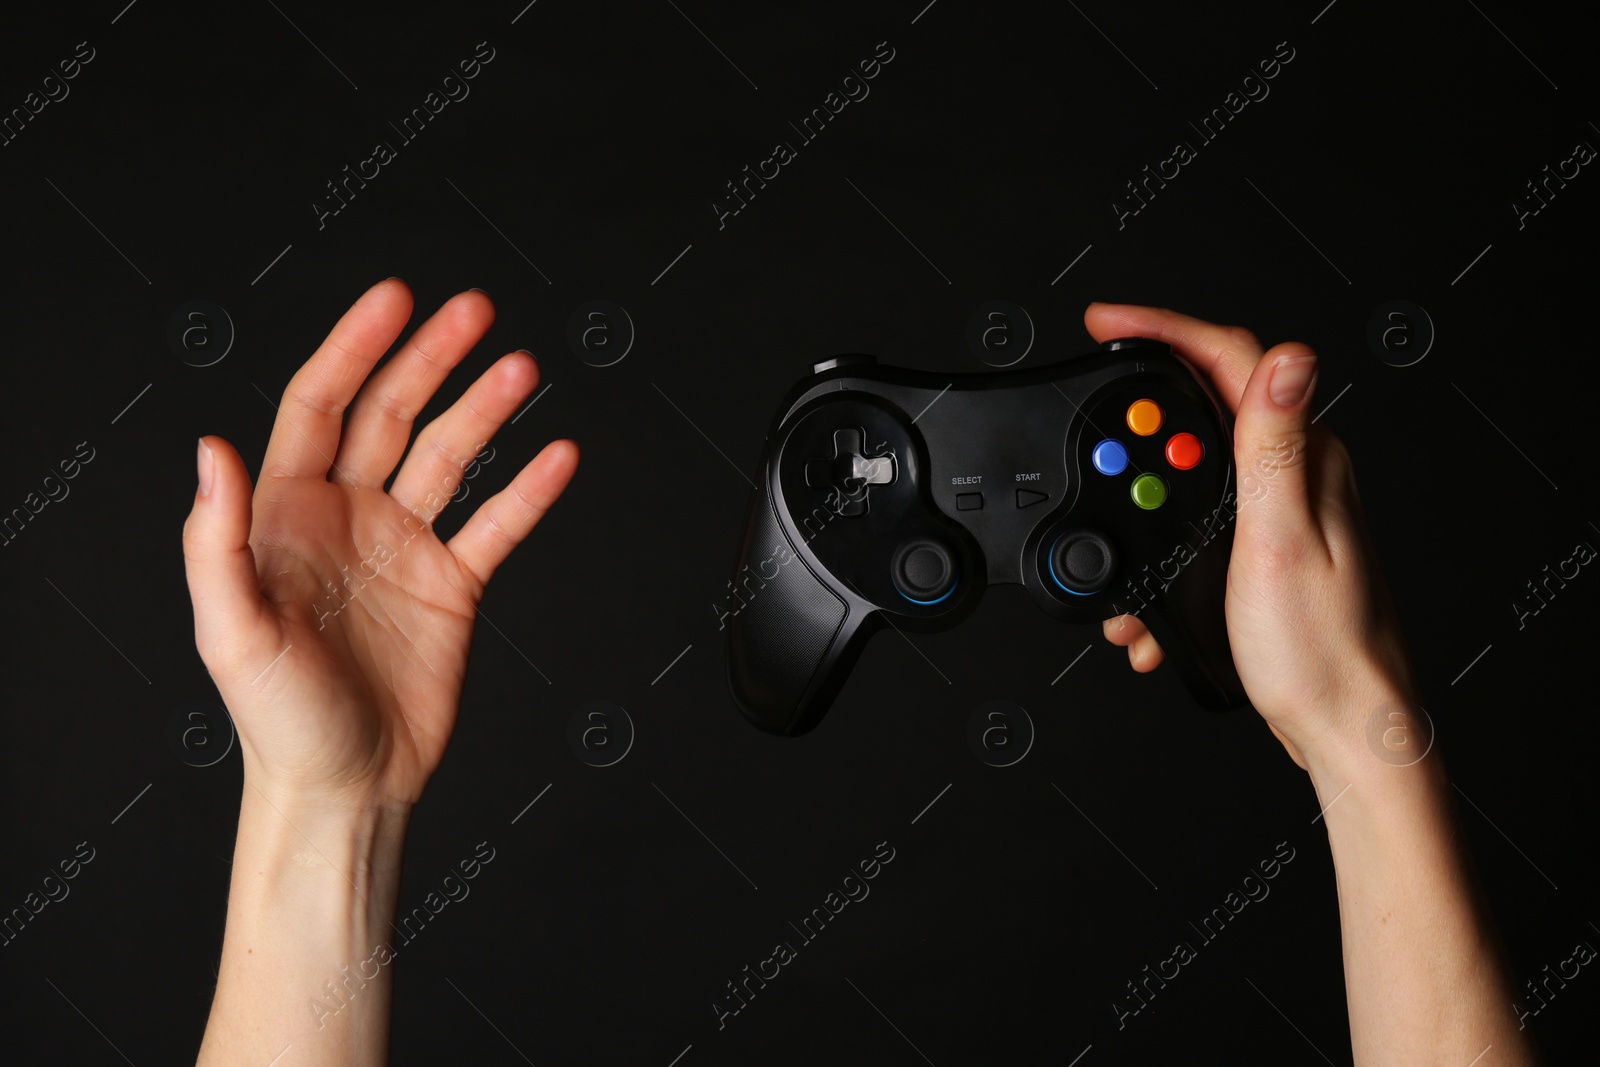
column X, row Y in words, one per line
column 1110, row 457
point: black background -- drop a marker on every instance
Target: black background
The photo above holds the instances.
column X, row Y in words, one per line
column 187, row 157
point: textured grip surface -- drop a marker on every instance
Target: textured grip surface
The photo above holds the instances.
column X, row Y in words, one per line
column 779, row 636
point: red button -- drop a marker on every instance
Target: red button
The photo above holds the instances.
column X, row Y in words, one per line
column 1183, row 451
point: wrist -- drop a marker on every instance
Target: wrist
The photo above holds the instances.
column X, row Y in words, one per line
column 1377, row 755
column 1368, row 716
column 333, row 794
column 361, row 842
column 317, row 874
column 309, row 930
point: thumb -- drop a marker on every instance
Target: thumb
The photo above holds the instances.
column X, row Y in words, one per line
column 221, row 567
column 1269, row 445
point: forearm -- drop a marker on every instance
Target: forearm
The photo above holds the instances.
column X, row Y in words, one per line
column 1423, row 973
column 306, row 951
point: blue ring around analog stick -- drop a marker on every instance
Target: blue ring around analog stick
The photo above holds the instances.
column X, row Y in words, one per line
column 1051, row 554
column 1110, row 457
column 926, row 603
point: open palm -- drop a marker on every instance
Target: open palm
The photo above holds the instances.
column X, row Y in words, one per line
column 335, row 622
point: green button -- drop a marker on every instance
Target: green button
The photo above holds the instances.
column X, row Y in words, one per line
column 1149, row 491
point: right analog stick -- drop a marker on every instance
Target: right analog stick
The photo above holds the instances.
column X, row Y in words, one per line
column 1082, row 562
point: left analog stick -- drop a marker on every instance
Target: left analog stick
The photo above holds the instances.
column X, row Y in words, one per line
column 923, row 571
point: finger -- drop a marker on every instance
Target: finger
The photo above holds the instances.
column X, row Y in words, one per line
column 1226, row 354
column 1270, row 436
column 217, row 557
column 1335, row 507
column 1144, row 651
column 305, row 436
column 503, row 520
column 447, row 446
column 385, row 408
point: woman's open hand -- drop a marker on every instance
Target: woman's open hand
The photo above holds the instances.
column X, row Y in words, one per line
column 334, row 621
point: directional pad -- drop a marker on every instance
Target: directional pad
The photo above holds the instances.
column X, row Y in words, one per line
column 850, row 472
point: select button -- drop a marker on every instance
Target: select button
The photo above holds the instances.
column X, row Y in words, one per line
column 969, row 501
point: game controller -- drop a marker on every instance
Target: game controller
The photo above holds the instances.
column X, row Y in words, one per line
column 1103, row 485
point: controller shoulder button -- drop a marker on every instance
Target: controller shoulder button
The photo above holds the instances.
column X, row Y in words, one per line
column 839, row 362
column 1128, row 344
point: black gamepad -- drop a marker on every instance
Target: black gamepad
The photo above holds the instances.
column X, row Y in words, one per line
column 1104, row 484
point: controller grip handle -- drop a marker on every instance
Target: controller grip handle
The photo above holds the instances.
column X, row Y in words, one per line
column 1190, row 622
column 791, row 639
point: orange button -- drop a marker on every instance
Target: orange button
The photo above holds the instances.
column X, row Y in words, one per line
column 1144, row 417
column 1183, row 451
